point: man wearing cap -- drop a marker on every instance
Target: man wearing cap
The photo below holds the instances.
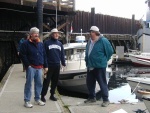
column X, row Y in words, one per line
column 33, row 55
column 98, row 52
column 55, row 56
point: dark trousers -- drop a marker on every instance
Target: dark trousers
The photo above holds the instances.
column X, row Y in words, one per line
column 99, row 75
column 53, row 76
column 23, row 66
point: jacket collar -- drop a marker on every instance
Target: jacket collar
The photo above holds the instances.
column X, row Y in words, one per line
column 34, row 41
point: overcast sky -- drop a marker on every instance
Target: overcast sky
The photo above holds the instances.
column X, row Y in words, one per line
column 120, row 8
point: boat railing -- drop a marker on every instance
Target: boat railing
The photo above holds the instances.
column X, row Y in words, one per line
column 135, row 52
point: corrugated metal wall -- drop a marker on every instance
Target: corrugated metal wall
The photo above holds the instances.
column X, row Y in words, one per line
column 107, row 24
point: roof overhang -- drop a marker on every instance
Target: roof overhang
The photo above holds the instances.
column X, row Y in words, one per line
column 29, row 9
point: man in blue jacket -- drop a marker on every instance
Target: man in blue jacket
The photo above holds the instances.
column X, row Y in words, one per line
column 98, row 52
column 19, row 45
column 55, row 56
column 33, row 55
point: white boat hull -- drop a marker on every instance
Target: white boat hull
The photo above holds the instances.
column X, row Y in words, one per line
column 141, row 82
column 78, row 82
column 141, row 59
column 76, row 85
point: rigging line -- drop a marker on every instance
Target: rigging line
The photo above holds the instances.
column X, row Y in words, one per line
column 81, row 54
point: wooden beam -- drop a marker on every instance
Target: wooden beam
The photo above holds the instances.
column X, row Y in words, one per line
column 31, row 0
column 46, row 26
column 60, row 27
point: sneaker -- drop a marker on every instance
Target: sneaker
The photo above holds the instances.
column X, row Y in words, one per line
column 43, row 99
column 28, row 105
column 90, row 100
column 53, row 98
column 39, row 102
column 105, row 103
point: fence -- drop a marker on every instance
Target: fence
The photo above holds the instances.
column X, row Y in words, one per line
column 107, row 24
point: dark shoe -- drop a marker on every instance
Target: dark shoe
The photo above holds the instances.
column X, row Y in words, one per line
column 90, row 100
column 43, row 99
column 105, row 103
column 53, row 98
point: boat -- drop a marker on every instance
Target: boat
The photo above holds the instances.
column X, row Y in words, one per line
column 73, row 77
column 75, row 54
column 140, row 59
column 146, row 99
column 145, row 96
column 135, row 75
column 141, row 92
column 142, row 82
column 75, row 80
column 139, row 85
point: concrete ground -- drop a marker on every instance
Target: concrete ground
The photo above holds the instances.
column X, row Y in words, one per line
column 76, row 105
column 11, row 99
column 11, row 95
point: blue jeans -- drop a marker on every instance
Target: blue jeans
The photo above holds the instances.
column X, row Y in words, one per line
column 36, row 74
column 99, row 75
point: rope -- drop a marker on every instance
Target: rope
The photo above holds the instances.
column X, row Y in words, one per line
column 135, row 87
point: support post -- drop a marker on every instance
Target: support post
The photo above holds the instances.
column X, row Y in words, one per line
column 40, row 18
column 92, row 16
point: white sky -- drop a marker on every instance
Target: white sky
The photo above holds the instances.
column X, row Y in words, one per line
column 119, row 8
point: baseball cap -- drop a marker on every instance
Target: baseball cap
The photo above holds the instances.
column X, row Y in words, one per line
column 94, row 28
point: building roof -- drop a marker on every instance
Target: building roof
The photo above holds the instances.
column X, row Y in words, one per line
column 32, row 9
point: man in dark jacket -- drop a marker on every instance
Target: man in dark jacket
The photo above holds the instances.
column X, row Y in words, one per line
column 19, row 45
column 98, row 52
column 55, row 56
column 33, row 55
